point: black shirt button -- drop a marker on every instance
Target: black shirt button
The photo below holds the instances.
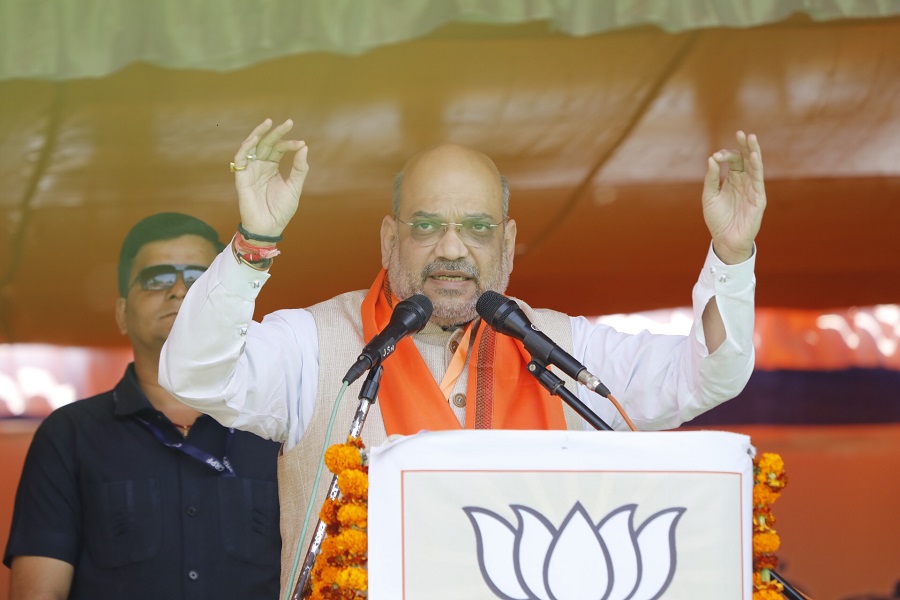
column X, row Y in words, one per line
column 193, row 575
column 191, row 511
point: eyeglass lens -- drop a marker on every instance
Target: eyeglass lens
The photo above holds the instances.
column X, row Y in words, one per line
column 163, row 277
column 473, row 232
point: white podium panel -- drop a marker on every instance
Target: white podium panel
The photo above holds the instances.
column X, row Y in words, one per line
column 561, row 515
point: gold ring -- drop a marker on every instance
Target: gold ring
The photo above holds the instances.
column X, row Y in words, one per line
column 234, row 168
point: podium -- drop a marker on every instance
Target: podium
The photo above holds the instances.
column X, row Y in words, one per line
column 561, row 515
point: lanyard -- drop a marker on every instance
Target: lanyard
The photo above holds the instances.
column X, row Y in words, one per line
column 222, row 466
column 458, row 362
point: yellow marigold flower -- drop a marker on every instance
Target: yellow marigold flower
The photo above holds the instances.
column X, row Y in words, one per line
column 341, row 457
column 353, row 515
column 766, row 543
column 353, row 484
column 771, row 463
column 353, row 578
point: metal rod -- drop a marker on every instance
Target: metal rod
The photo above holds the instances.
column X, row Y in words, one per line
column 367, row 396
column 789, row 592
column 556, row 387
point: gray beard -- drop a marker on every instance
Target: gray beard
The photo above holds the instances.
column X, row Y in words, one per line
column 449, row 309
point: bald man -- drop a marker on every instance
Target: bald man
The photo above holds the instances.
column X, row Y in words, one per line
column 449, row 237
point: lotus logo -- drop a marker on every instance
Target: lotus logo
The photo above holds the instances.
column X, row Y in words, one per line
column 533, row 560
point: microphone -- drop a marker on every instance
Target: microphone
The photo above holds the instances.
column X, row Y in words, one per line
column 505, row 316
column 409, row 316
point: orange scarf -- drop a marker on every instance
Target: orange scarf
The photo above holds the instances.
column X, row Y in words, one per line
column 505, row 398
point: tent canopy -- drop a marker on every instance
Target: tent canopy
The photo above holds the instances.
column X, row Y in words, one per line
column 601, row 116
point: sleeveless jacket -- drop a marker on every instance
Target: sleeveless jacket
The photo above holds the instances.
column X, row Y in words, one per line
column 340, row 338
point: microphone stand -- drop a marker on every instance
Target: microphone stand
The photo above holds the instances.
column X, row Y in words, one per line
column 789, row 592
column 367, row 395
column 556, row 387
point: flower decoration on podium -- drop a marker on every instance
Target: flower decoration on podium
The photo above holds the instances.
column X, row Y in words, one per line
column 340, row 569
column 768, row 482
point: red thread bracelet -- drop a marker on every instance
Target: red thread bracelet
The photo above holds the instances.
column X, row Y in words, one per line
column 251, row 252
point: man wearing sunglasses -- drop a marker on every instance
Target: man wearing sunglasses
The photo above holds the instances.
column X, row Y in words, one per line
column 450, row 237
column 132, row 494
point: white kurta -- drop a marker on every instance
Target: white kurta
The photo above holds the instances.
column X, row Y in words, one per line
column 263, row 376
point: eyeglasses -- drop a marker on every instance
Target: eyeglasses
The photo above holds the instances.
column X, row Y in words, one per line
column 473, row 232
column 163, row 277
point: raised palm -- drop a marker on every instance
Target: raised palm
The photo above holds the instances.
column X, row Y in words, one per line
column 733, row 207
column 266, row 199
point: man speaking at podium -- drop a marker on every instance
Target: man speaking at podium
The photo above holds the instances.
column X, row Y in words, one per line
column 450, row 238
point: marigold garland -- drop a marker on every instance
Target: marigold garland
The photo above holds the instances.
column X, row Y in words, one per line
column 768, row 482
column 340, row 571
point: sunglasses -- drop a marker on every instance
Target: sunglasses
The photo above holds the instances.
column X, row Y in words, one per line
column 163, row 277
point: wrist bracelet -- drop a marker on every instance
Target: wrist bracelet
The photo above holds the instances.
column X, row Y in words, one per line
column 273, row 239
column 245, row 248
column 251, row 259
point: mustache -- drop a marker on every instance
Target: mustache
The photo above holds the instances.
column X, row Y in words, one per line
column 450, row 265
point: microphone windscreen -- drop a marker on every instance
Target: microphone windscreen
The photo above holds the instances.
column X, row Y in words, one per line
column 488, row 305
column 424, row 306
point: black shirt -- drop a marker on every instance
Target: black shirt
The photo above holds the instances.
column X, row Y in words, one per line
column 139, row 519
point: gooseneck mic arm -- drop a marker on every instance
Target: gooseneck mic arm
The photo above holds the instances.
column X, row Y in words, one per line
column 556, row 387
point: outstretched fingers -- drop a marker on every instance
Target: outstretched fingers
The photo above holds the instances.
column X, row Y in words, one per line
column 248, row 146
column 268, row 146
column 711, row 181
column 757, row 179
column 300, row 165
column 750, row 144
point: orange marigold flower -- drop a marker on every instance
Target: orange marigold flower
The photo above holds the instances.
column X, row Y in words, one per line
column 329, row 511
column 353, row 542
column 353, row 515
column 341, row 457
column 765, row 588
column 329, row 549
column 354, row 579
column 763, row 495
column 340, row 570
column 766, row 543
column 327, row 574
column 353, row 484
